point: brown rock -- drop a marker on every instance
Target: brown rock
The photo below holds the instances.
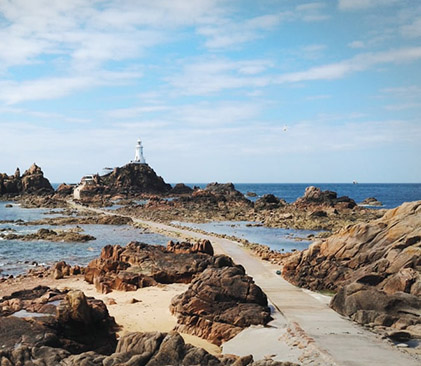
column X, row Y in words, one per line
column 375, row 267
column 219, row 303
column 141, row 265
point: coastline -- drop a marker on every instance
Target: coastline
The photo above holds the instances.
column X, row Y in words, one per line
column 297, row 335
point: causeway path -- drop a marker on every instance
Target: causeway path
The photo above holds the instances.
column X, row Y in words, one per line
column 337, row 339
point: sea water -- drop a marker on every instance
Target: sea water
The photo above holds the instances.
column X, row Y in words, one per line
column 284, row 240
column 17, row 256
column 391, row 195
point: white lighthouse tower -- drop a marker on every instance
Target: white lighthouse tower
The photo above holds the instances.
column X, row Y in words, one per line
column 138, row 158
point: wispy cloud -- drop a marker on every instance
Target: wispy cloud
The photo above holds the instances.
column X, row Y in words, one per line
column 364, row 4
column 212, row 76
column 358, row 63
column 13, row 92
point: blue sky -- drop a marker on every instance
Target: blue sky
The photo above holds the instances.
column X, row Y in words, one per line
column 242, row 91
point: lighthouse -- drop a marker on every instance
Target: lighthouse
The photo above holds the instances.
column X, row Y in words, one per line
column 138, row 158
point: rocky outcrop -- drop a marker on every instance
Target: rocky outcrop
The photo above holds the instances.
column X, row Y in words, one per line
column 140, row 349
column 129, row 180
column 99, row 219
column 32, row 181
column 375, row 267
column 44, row 317
column 202, row 246
column 220, row 303
column 64, row 190
column 140, row 265
column 371, row 201
column 69, row 235
column 181, row 188
column 268, row 202
column 314, row 196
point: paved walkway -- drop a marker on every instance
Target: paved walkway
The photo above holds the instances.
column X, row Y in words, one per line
column 338, row 340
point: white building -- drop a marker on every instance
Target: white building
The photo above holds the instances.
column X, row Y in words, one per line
column 138, row 158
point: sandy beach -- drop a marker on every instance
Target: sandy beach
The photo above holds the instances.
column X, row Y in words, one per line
column 144, row 310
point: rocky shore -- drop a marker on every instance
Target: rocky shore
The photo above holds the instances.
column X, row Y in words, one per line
column 68, row 235
column 374, row 268
column 61, row 327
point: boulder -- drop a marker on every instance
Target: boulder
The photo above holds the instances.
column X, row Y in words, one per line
column 314, row 196
column 64, row 190
column 220, row 303
column 52, row 318
column 181, row 188
column 202, row 246
column 268, row 202
column 371, row 201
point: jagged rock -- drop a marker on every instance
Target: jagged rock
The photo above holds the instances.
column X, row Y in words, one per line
column 77, row 324
column 268, row 202
column 140, row 265
column 314, row 196
column 32, row 181
column 65, row 190
column 376, row 263
column 181, row 188
column 251, row 194
column 225, row 189
column 220, row 303
column 202, row 246
column 371, row 201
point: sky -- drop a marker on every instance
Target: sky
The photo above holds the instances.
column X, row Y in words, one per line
column 218, row 90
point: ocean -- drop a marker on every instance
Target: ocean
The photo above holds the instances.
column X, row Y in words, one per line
column 391, row 195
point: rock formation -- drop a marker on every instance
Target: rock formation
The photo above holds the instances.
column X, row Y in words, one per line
column 371, row 201
column 68, row 235
column 129, row 180
column 375, row 267
column 64, row 190
column 314, row 196
column 268, row 202
column 220, row 303
column 181, row 188
column 44, row 318
column 140, row 265
column 202, row 246
column 32, row 181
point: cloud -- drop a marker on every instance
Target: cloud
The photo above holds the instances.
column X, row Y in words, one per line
column 214, row 75
column 226, row 33
column 311, row 12
column 90, row 32
column 364, row 4
column 356, row 44
column 134, row 112
column 358, row 63
column 13, row 92
column 412, row 30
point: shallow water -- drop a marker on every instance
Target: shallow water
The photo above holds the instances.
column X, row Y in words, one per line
column 275, row 238
column 17, row 256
